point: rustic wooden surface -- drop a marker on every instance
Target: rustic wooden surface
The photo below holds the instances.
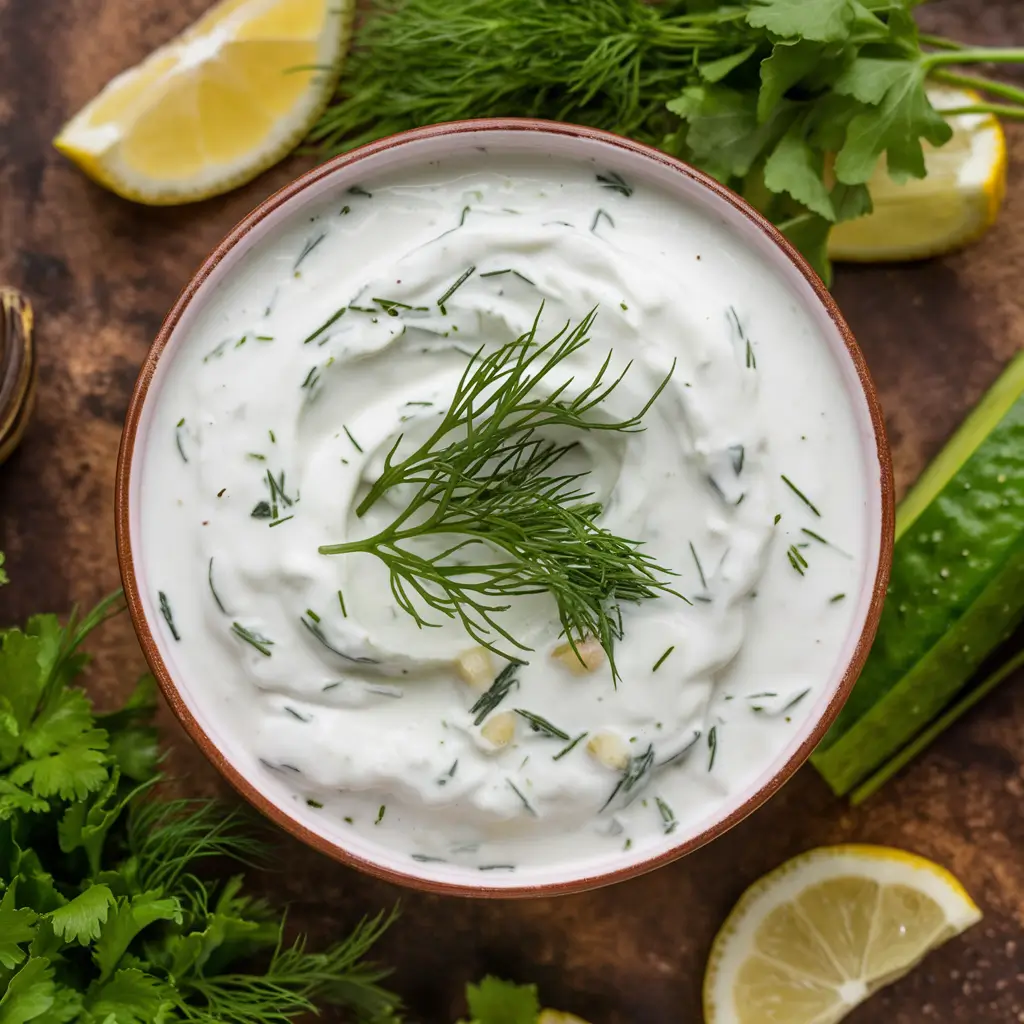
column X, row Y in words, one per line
column 102, row 273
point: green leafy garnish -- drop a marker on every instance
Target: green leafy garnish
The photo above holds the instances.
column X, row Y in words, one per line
column 487, row 486
column 107, row 915
column 793, row 103
column 494, row 1001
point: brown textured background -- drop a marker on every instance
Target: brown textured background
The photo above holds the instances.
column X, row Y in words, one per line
column 102, row 273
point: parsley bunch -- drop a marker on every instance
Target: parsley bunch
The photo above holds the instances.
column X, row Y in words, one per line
column 790, row 102
column 105, row 914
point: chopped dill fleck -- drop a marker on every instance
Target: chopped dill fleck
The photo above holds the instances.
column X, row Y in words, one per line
column 419, row 403
column 542, row 725
column 712, row 745
column 347, row 820
column 308, row 248
column 466, row 274
column 222, row 492
column 796, row 559
column 628, row 843
column 615, row 182
column 209, row 578
column 519, row 793
column 751, row 358
column 661, row 660
column 311, row 378
column 424, row 858
column 177, row 439
column 330, row 321
column 165, row 611
column 380, row 814
column 597, row 219
column 700, row 570
column 623, row 307
column 778, row 518
column 341, row 601
column 261, row 643
column 815, row 536
column 522, row 277
column 836, row 597
column 496, row 693
column 497, row 273
column 635, row 774
column 496, row 867
column 796, row 700
column 264, row 337
column 358, row 190
column 241, row 341
column 344, row 211
column 565, row 750
column 257, row 456
column 312, row 614
column 737, row 454
column 216, row 352
column 310, row 802
column 262, row 510
column 273, row 440
column 355, row 443
column 668, row 818
column 462, row 219
column 800, row 494
column 295, row 714
column 283, row 519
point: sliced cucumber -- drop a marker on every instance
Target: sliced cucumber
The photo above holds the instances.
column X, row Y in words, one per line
column 957, row 587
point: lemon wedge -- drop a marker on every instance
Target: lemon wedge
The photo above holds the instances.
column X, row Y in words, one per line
column 955, row 204
column 217, row 105
column 815, row 937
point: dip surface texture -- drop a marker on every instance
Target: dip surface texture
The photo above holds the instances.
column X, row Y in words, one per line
column 346, row 332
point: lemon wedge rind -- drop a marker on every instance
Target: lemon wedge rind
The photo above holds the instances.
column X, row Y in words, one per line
column 217, row 105
column 814, row 938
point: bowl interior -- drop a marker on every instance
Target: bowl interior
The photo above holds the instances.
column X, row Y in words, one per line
column 751, row 236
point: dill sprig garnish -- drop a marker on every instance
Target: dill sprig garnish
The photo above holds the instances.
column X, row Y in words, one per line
column 542, row 725
column 615, row 182
column 487, row 479
column 165, row 611
column 496, row 692
column 796, row 559
column 668, row 817
column 635, row 775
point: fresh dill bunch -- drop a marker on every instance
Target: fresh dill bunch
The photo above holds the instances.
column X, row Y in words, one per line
column 610, row 64
column 488, row 482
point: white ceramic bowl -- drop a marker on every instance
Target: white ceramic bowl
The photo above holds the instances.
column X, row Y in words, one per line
column 636, row 162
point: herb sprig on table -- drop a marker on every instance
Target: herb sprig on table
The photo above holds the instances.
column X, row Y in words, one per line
column 487, row 481
column 791, row 102
column 107, row 913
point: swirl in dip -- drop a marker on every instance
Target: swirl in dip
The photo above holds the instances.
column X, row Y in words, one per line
column 327, row 343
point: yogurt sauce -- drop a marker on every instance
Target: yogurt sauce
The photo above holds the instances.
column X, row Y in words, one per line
column 746, row 481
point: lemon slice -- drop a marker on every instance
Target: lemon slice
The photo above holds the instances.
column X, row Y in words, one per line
column 955, row 204
column 217, row 105
column 815, row 937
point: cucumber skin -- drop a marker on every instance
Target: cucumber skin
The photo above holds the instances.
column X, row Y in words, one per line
column 935, row 631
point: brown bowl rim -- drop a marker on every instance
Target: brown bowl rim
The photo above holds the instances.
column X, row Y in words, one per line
column 167, row 685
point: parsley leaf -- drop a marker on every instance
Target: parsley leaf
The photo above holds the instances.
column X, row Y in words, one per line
column 788, row 63
column 29, row 993
column 16, row 927
column 130, row 997
column 796, row 168
column 820, row 20
column 81, row 920
column 904, row 117
column 494, row 1001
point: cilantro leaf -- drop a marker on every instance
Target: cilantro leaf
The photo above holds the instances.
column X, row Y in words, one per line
column 494, row 1001
column 797, row 169
column 16, row 926
column 896, row 127
column 72, row 774
column 81, row 920
column 21, row 685
column 130, row 997
column 14, row 801
column 66, row 1007
column 65, row 717
column 820, row 20
column 130, row 916
column 851, row 201
column 29, row 993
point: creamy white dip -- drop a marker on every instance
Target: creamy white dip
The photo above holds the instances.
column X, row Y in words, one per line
column 747, row 482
